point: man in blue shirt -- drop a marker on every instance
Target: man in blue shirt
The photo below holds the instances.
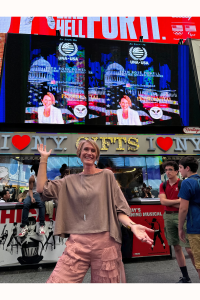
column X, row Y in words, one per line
column 190, row 206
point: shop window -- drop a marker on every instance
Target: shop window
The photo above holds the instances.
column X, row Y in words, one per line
column 74, row 162
column 54, row 164
column 13, row 176
column 153, row 173
column 111, row 162
column 137, row 161
column 130, row 181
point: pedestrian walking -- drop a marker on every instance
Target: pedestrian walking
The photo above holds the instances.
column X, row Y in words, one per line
column 190, row 206
column 90, row 206
column 169, row 198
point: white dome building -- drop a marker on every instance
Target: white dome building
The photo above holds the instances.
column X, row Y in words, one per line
column 40, row 71
column 115, row 75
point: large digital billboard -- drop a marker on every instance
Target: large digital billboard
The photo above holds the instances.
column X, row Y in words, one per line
column 133, row 83
column 52, row 73
column 2, row 78
column 56, row 81
column 153, row 29
column 60, row 80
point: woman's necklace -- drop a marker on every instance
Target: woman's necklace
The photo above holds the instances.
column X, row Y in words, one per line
column 83, row 208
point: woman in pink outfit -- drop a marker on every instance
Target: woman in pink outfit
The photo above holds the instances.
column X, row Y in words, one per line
column 90, row 207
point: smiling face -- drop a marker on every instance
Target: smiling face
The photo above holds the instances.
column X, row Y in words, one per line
column 47, row 101
column 124, row 104
column 88, row 154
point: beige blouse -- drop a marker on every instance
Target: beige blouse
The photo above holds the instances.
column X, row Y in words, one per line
column 87, row 204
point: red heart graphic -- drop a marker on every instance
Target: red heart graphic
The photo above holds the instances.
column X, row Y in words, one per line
column 21, row 142
column 164, row 143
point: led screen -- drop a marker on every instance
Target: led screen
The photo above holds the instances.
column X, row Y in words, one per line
column 52, row 73
column 59, row 80
column 2, row 81
column 56, row 82
column 133, row 83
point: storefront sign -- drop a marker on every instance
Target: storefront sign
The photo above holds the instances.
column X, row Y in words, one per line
column 191, row 130
column 150, row 216
column 112, row 144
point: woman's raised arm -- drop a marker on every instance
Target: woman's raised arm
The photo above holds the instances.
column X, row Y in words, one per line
column 42, row 172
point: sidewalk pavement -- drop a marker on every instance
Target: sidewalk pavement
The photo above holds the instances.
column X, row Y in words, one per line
column 160, row 270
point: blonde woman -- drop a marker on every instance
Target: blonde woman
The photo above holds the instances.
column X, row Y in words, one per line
column 126, row 115
column 48, row 113
column 90, row 206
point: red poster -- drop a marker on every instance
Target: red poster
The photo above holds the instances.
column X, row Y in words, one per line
column 150, row 216
column 153, row 29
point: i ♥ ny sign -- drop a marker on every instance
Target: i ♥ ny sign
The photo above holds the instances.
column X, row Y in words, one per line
column 21, row 142
column 111, row 144
column 164, row 143
column 180, row 143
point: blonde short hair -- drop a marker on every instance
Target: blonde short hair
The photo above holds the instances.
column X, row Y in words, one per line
column 93, row 143
column 128, row 99
column 51, row 96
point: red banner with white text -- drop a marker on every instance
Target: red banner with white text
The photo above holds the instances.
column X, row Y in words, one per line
column 153, row 29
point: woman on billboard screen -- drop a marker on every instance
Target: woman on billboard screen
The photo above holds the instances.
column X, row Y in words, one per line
column 48, row 113
column 126, row 115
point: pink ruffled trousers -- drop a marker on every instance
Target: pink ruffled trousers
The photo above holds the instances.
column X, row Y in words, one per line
column 96, row 250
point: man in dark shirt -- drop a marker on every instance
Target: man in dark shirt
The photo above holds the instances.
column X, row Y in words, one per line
column 169, row 198
column 190, row 206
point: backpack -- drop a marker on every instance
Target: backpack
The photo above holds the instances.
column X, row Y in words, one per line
column 179, row 185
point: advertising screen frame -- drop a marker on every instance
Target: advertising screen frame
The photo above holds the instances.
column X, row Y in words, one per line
column 19, row 111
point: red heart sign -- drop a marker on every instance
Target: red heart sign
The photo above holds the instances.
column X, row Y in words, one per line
column 164, row 143
column 21, row 142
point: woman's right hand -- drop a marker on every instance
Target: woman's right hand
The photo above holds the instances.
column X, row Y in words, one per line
column 43, row 152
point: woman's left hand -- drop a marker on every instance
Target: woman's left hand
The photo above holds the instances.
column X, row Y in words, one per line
column 140, row 232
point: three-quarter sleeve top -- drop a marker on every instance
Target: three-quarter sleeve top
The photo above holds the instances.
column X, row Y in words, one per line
column 87, row 204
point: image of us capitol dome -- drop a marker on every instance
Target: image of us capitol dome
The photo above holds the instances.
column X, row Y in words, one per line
column 115, row 75
column 40, row 71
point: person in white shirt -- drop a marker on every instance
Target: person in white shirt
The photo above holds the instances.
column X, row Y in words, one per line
column 126, row 115
column 48, row 113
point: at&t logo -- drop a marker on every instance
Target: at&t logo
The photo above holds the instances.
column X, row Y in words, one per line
column 138, row 54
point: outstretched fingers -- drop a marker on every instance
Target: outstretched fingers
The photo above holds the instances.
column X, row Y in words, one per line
column 42, row 149
column 146, row 239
